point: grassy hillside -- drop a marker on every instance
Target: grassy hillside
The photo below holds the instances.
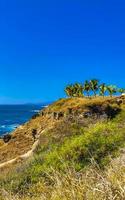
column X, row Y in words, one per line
column 79, row 156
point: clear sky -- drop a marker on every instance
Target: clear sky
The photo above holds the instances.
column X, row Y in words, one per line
column 46, row 44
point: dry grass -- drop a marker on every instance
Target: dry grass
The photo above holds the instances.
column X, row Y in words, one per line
column 90, row 184
column 22, row 139
column 64, row 104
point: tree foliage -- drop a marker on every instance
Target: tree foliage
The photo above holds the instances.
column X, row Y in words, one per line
column 92, row 88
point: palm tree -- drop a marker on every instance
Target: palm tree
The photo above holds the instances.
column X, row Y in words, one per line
column 87, row 87
column 94, row 85
column 103, row 89
column 69, row 90
column 111, row 89
column 121, row 90
column 78, row 90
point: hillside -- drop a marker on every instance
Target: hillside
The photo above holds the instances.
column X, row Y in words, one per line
column 77, row 141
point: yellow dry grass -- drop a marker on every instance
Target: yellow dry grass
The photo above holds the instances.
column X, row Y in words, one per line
column 64, row 104
column 91, row 184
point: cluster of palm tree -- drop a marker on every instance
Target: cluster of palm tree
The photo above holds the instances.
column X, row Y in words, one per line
column 92, row 88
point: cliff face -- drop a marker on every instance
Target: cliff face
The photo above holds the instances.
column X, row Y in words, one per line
column 82, row 111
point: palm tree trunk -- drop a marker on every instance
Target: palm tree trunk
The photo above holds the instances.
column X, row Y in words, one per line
column 94, row 93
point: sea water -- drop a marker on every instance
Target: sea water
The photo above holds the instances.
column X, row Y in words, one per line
column 11, row 116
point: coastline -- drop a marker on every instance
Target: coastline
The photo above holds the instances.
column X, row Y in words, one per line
column 12, row 116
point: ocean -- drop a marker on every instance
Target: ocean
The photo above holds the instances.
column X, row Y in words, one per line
column 11, row 116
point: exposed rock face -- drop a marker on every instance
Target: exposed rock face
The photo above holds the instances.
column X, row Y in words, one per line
column 87, row 114
column 119, row 102
column 57, row 115
column 42, row 113
column 93, row 111
column 70, row 111
column 54, row 115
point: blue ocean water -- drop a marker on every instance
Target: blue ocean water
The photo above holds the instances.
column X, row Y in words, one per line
column 11, row 116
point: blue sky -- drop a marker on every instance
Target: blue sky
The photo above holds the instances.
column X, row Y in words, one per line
column 45, row 45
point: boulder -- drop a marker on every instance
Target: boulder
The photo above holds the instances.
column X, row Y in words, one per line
column 34, row 133
column 69, row 111
column 42, row 113
column 87, row 114
column 7, row 138
column 54, row 115
column 60, row 115
column 119, row 102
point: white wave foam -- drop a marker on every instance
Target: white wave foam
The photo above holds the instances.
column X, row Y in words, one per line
column 36, row 111
column 9, row 127
column 45, row 106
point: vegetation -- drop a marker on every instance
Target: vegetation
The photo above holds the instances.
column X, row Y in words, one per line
column 79, row 157
column 103, row 89
column 92, row 87
column 75, row 90
column 112, row 90
column 92, row 184
column 87, row 87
